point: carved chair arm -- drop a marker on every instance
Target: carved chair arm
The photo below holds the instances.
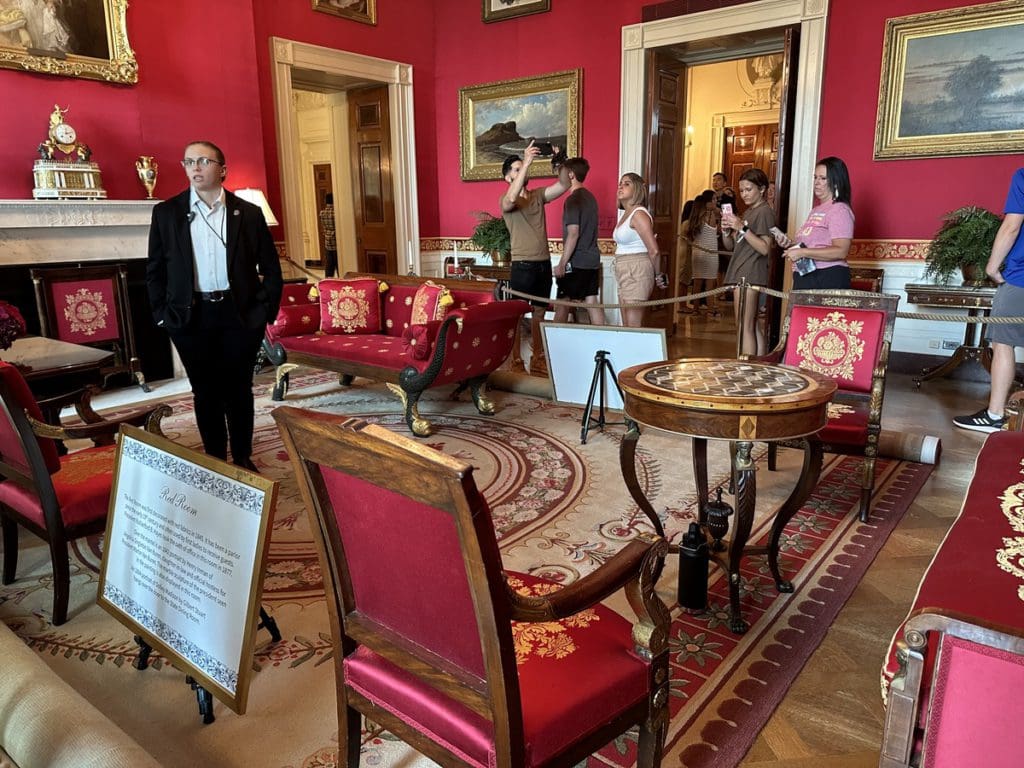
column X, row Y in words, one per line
column 632, row 568
column 102, row 431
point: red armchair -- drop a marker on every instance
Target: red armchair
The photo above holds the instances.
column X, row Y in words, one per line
column 956, row 702
column 89, row 305
column 846, row 336
column 58, row 498
column 469, row 665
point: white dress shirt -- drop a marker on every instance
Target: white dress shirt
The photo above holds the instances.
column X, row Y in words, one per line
column 209, row 243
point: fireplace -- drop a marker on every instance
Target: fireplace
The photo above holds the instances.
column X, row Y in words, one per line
column 40, row 233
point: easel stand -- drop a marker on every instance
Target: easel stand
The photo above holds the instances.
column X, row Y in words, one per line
column 602, row 369
column 203, row 697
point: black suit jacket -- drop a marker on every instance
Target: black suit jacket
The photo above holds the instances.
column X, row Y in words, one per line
column 254, row 272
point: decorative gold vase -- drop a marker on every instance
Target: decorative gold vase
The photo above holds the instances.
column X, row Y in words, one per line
column 146, row 167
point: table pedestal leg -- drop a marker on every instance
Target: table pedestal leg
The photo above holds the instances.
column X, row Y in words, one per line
column 627, row 463
column 808, row 479
column 700, row 477
column 744, row 478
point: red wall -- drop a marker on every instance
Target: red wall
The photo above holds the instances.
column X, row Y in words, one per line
column 189, row 87
column 571, row 35
column 893, row 198
column 204, row 72
column 405, row 32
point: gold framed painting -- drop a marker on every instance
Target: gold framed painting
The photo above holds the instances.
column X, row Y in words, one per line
column 501, row 118
column 88, row 38
column 364, row 11
column 499, row 10
column 952, row 83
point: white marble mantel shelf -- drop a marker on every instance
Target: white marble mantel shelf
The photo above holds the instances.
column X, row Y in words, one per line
column 61, row 231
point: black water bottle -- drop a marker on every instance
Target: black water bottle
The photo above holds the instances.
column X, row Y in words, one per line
column 693, row 570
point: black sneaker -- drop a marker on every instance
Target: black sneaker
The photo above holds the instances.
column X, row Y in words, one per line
column 980, row 422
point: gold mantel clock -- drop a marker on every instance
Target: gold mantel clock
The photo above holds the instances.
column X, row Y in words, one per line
column 63, row 170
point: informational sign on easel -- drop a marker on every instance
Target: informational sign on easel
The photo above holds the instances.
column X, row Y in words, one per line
column 184, row 556
column 571, row 349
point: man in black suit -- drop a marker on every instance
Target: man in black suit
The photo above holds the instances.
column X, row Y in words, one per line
column 214, row 283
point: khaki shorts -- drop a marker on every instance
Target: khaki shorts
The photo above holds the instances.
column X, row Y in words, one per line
column 634, row 274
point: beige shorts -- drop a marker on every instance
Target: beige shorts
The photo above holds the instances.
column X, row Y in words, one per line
column 634, row 274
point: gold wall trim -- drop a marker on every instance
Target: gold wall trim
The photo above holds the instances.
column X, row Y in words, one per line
column 861, row 250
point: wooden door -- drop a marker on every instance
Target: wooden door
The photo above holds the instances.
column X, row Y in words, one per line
column 322, row 186
column 750, row 146
column 664, row 169
column 370, row 152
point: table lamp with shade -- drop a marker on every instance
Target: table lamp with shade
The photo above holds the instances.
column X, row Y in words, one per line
column 256, row 197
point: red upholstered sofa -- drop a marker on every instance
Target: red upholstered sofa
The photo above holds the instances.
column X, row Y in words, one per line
column 335, row 328
column 972, row 599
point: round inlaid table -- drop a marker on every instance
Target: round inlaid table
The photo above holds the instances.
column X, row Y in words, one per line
column 737, row 400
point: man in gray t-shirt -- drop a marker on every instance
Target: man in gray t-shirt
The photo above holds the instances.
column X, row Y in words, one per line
column 579, row 269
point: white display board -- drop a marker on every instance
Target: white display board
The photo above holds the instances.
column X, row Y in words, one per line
column 571, row 349
column 183, row 558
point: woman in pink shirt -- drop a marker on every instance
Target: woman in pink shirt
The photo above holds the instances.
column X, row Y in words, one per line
column 818, row 252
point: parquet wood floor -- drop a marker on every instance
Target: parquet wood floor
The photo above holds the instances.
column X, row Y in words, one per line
column 832, row 716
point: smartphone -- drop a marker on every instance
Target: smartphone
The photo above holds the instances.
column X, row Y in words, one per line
column 727, row 209
column 545, row 147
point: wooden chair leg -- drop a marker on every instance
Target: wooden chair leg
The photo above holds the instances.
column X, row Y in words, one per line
column 350, row 732
column 9, row 531
column 61, row 579
column 867, row 487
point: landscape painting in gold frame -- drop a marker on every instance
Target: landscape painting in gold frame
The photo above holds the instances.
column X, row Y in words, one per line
column 88, row 38
column 499, row 119
column 364, row 11
column 952, row 83
column 499, row 10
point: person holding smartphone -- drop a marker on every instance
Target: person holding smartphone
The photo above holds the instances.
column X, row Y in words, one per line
column 818, row 253
column 750, row 239
column 637, row 257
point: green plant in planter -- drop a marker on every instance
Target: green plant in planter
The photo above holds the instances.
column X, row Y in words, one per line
column 963, row 245
column 491, row 236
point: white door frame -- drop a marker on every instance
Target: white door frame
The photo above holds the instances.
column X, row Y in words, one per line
column 811, row 15
column 288, row 55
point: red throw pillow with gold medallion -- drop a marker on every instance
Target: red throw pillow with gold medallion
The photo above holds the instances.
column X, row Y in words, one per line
column 431, row 302
column 350, row 306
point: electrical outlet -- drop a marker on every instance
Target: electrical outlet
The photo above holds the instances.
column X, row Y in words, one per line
column 934, row 344
column 950, row 343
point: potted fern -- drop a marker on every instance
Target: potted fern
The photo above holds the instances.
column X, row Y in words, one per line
column 491, row 236
column 963, row 244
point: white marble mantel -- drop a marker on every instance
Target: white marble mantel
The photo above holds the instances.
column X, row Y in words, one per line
column 62, row 231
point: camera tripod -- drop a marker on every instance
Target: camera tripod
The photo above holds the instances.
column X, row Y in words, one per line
column 602, row 367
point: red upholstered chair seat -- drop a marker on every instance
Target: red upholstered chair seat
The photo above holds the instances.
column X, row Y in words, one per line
column 82, row 486
column 551, row 661
column 847, row 423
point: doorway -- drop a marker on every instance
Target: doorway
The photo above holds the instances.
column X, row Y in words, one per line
column 704, row 30
column 300, row 67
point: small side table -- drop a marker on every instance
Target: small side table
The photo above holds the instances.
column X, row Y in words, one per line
column 977, row 300
column 736, row 400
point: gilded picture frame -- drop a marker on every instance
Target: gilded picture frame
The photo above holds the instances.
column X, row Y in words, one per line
column 84, row 39
column 499, row 119
column 499, row 10
column 951, row 83
column 363, row 11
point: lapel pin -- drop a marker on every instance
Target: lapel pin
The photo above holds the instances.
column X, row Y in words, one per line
column 236, row 212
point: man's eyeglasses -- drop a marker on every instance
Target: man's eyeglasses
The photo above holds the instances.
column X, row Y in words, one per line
column 202, row 162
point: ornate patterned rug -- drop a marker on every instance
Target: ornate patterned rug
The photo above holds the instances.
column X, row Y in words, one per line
column 561, row 509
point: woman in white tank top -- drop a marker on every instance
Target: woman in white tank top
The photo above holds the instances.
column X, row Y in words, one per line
column 637, row 259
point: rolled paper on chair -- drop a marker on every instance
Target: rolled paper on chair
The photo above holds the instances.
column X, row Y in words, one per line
column 924, row 449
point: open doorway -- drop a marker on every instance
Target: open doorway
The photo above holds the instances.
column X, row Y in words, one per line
column 321, row 119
